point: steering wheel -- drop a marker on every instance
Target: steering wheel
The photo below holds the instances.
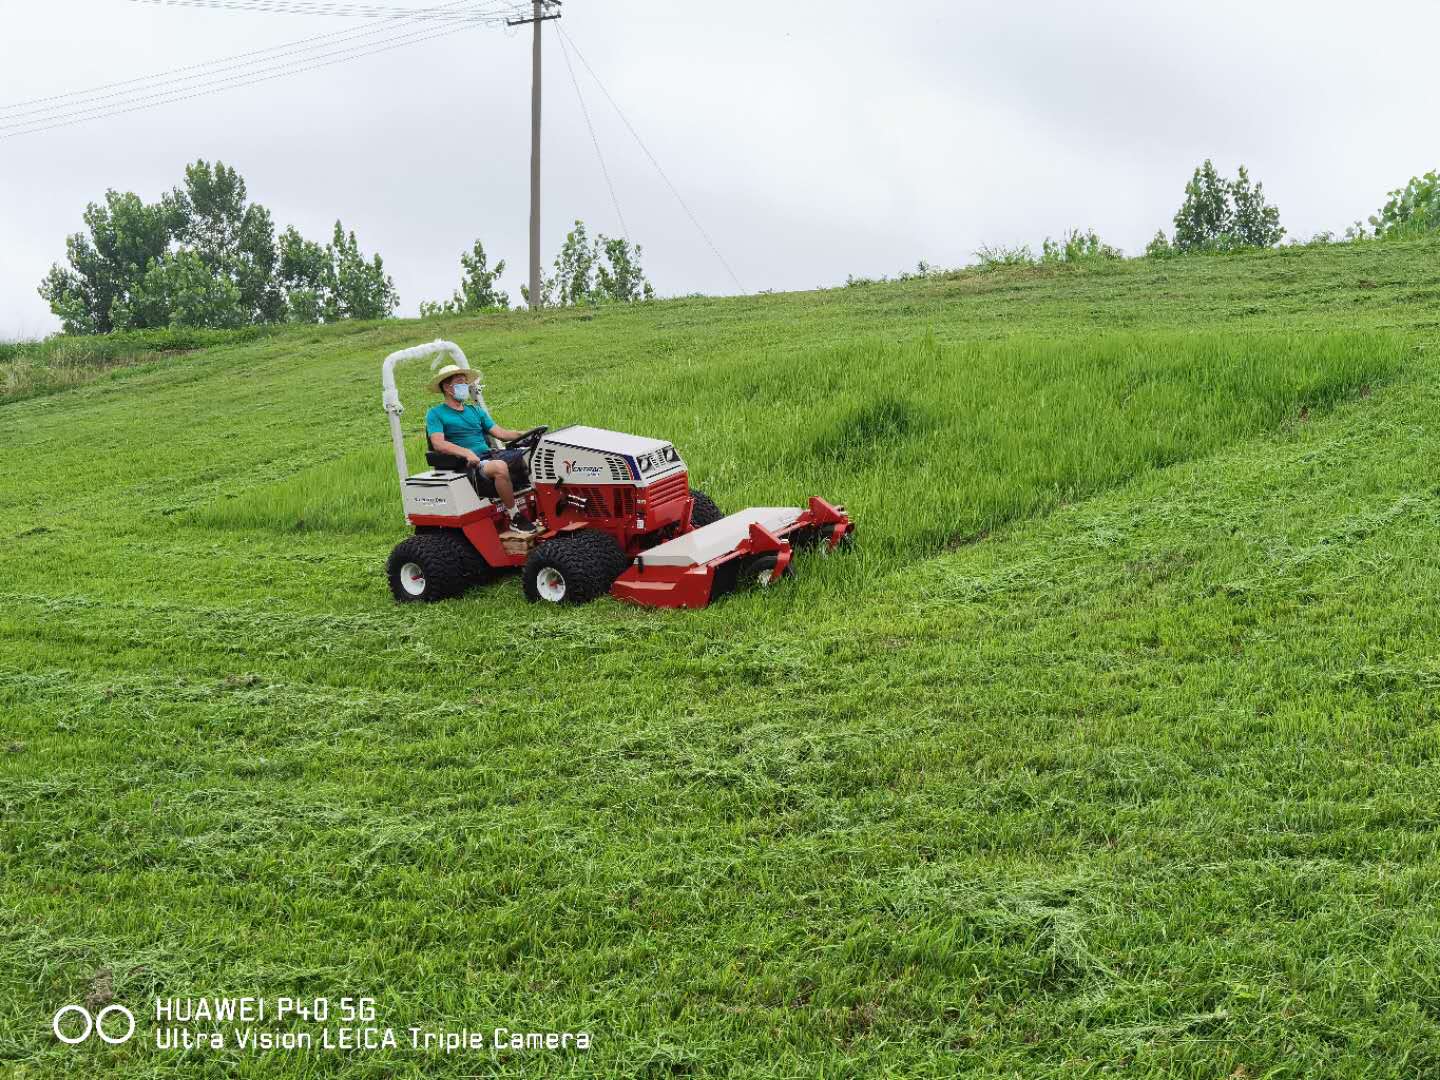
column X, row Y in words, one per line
column 527, row 441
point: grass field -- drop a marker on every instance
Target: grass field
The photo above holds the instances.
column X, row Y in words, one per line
column 1112, row 749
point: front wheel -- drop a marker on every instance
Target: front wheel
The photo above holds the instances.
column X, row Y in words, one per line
column 704, row 511
column 573, row 569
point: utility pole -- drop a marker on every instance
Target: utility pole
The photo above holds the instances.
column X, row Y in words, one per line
column 541, row 16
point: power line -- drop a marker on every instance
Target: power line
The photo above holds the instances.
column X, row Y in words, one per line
column 641, row 143
column 77, row 99
column 210, row 66
column 565, row 52
column 174, row 96
column 326, row 8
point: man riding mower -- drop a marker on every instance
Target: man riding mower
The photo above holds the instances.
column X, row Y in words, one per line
column 463, row 429
column 580, row 511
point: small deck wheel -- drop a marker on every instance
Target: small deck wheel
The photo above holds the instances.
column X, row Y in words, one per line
column 761, row 571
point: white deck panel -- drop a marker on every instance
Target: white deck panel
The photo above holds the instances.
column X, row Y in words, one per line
column 614, row 442
column 712, row 541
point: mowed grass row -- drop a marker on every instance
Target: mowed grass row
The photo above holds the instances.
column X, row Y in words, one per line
column 1147, row 784
column 927, row 443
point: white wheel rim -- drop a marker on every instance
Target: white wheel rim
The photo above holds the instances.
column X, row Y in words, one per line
column 765, row 577
column 412, row 579
column 550, row 584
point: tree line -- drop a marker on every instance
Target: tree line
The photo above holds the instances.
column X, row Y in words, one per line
column 1219, row 215
column 605, row 270
column 1216, row 216
column 205, row 257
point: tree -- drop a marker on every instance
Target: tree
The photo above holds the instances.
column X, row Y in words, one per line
column 477, row 287
column 619, row 278
column 1204, row 217
column 305, row 274
column 603, row 271
column 1220, row 215
column 205, row 256
column 235, row 240
column 334, row 282
column 1253, row 222
column 181, row 290
column 362, row 289
column 125, row 238
column 574, row 280
column 1411, row 210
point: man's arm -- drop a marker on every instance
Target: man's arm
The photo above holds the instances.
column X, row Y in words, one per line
column 505, row 434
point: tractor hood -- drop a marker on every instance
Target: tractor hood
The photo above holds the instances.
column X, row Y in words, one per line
column 582, row 454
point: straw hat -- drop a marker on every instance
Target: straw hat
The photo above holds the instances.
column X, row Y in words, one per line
column 447, row 372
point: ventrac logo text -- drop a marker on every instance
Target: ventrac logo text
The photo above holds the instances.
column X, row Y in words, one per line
column 573, row 467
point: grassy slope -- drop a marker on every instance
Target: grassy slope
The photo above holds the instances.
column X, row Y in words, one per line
column 1150, row 779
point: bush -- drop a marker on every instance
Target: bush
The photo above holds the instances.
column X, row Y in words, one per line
column 991, row 258
column 1160, row 247
column 1078, row 247
column 1413, row 210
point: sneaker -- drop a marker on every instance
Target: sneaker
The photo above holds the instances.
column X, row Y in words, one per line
column 520, row 522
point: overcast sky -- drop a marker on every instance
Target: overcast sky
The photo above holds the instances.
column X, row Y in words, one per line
column 811, row 139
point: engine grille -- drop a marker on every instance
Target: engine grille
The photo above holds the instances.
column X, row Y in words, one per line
column 542, row 467
column 668, row 489
column 590, row 502
column 618, row 469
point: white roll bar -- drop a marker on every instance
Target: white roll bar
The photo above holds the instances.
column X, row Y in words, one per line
column 391, row 396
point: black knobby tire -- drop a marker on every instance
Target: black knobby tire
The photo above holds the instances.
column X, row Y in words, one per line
column 607, row 547
column 704, row 512
column 479, row 571
column 587, row 564
column 431, row 566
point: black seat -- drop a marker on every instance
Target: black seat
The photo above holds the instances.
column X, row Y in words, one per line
column 483, row 485
column 436, row 460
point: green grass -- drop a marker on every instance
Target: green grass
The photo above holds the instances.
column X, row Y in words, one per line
column 966, row 435
column 35, row 368
column 1142, row 779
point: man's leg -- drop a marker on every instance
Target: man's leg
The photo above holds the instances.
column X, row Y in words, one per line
column 499, row 473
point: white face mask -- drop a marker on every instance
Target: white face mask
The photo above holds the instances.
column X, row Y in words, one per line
column 461, row 391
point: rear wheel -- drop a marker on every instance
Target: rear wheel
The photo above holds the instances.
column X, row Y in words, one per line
column 430, row 567
column 573, row 569
column 704, row 512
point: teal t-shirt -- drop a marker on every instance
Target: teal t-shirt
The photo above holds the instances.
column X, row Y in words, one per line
column 464, row 427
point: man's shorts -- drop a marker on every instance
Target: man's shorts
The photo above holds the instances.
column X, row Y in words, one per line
column 514, row 461
column 510, row 457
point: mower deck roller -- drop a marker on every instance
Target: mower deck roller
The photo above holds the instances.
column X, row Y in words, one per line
column 616, row 511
